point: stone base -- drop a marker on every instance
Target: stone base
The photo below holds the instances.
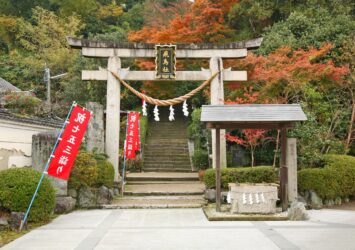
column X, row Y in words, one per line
column 212, row 215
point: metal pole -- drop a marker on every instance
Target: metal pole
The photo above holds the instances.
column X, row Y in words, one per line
column 218, row 170
column 46, row 168
column 124, row 156
column 140, row 141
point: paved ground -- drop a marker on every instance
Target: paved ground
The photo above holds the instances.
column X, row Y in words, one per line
column 188, row 229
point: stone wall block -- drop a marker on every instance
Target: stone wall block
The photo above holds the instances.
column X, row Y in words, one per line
column 42, row 145
column 95, row 134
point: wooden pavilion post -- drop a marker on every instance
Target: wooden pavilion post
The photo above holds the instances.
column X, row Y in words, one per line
column 218, row 171
column 283, row 171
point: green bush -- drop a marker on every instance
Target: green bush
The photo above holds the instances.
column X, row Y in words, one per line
column 337, row 178
column 92, row 170
column 241, row 175
column 17, row 186
column 20, row 103
column 106, row 173
column 200, row 159
column 85, row 171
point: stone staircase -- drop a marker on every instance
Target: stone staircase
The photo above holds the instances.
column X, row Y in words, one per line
column 161, row 190
column 167, row 180
column 166, row 146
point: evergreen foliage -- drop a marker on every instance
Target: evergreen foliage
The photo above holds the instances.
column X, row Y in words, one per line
column 336, row 179
column 92, row 170
column 258, row 174
column 17, row 187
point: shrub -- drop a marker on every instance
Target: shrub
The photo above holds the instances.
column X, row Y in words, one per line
column 84, row 172
column 337, row 178
column 16, row 189
column 200, row 159
column 106, row 173
column 21, row 103
column 241, row 175
column 92, row 170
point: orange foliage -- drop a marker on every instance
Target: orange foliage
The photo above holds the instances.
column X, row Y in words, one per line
column 295, row 67
column 204, row 21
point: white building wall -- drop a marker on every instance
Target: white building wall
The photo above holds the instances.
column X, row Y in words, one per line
column 16, row 143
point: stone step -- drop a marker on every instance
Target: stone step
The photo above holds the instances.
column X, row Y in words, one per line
column 170, row 161
column 168, row 142
column 180, row 170
column 151, row 147
column 166, row 132
column 162, row 176
column 159, row 182
column 162, row 197
column 124, row 203
column 166, row 165
column 162, row 164
column 170, row 137
column 164, row 189
column 165, row 150
column 166, row 145
column 175, row 130
column 163, row 154
column 168, row 168
column 165, row 157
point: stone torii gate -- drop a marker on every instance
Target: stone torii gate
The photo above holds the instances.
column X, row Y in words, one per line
column 115, row 51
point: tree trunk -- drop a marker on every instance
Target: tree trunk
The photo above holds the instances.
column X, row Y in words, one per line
column 276, row 148
column 252, row 157
column 351, row 124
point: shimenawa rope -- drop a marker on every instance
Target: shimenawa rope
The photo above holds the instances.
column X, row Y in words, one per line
column 168, row 102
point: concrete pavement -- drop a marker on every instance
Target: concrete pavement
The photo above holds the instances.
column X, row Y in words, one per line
column 188, row 229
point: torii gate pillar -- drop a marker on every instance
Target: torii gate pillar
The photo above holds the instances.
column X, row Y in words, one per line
column 217, row 97
column 112, row 133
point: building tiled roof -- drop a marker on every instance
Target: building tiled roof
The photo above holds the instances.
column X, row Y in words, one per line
column 6, row 86
column 41, row 121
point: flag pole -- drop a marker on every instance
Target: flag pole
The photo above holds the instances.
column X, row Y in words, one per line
column 124, row 156
column 46, row 167
column 140, row 142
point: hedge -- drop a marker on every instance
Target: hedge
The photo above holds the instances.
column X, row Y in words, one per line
column 337, row 178
column 92, row 170
column 241, row 175
column 106, row 173
column 200, row 159
column 17, row 186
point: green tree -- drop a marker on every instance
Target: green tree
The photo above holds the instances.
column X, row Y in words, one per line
column 37, row 44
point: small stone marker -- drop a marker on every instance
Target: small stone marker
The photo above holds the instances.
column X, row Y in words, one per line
column 253, row 198
column 291, row 163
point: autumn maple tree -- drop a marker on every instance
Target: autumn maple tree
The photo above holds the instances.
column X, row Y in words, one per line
column 202, row 21
column 285, row 71
column 250, row 138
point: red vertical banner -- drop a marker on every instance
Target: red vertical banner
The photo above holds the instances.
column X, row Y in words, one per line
column 132, row 135
column 69, row 144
